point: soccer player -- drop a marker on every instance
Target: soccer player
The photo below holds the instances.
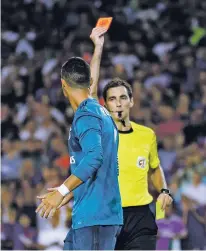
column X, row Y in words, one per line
column 93, row 145
column 138, row 159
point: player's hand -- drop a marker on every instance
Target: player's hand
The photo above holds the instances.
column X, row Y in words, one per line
column 97, row 36
column 49, row 204
column 44, row 196
column 66, row 199
column 165, row 200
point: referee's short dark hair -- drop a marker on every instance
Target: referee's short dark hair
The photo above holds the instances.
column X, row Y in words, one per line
column 117, row 82
column 76, row 72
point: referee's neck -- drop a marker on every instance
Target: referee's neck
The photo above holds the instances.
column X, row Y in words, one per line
column 123, row 127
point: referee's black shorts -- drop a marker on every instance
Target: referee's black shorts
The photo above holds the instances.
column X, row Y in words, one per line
column 139, row 230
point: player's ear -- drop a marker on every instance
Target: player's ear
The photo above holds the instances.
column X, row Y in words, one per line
column 131, row 102
column 64, row 83
column 65, row 87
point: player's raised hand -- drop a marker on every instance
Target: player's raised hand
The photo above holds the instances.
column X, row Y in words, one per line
column 97, row 36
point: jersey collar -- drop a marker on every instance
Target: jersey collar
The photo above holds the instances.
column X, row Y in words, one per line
column 84, row 102
column 126, row 132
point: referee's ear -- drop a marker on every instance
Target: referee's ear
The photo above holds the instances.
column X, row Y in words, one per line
column 131, row 102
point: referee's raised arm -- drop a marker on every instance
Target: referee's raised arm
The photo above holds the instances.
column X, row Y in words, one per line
column 97, row 37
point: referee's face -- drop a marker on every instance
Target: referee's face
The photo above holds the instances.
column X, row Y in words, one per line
column 118, row 103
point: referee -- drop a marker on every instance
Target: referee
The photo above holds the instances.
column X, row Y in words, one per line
column 138, row 159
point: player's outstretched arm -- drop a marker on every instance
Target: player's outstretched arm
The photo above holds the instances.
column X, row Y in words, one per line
column 97, row 37
column 57, row 197
column 88, row 129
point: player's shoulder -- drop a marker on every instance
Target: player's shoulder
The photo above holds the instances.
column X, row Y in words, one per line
column 88, row 108
column 142, row 129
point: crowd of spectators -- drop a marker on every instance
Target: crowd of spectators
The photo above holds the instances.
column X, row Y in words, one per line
column 159, row 47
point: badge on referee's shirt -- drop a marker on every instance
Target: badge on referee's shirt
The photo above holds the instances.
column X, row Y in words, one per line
column 141, row 162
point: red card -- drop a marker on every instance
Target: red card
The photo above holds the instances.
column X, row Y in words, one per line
column 104, row 22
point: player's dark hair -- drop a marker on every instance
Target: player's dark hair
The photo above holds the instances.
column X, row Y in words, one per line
column 76, row 72
column 117, row 82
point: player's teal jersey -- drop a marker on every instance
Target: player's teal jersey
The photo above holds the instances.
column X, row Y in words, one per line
column 93, row 147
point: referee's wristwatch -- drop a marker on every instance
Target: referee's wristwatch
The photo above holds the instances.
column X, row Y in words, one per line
column 166, row 191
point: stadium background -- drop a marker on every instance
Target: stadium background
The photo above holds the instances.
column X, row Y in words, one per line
column 159, row 46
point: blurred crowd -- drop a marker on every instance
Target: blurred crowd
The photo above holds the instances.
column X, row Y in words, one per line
column 159, row 47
